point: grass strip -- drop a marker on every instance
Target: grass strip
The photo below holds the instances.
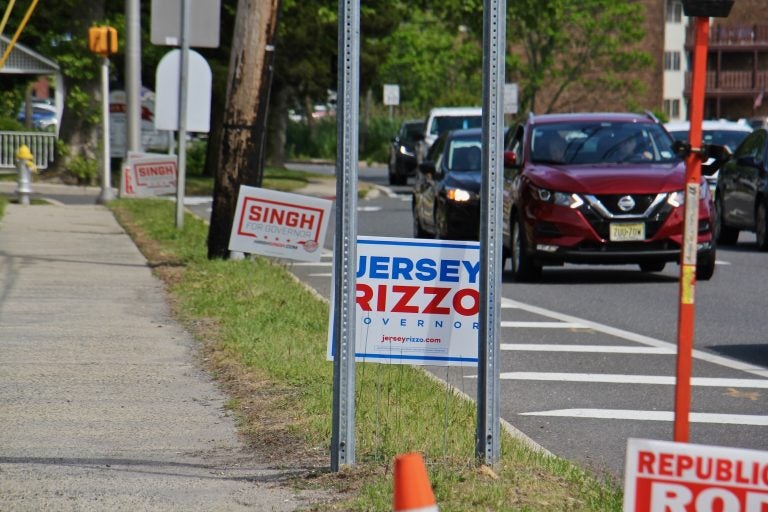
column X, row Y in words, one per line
column 264, row 338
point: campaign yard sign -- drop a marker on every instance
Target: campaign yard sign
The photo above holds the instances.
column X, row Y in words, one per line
column 148, row 175
column 416, row 302
column 279, row 224
column 663, row 476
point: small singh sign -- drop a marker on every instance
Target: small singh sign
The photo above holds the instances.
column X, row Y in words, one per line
column 147, row 175
column 279, row 224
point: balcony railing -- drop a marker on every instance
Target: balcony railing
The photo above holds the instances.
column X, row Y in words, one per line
column 739, row 35
column 742, row 82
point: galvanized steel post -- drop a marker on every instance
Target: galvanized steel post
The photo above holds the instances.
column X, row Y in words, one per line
column 487, row 444
column 345, row 242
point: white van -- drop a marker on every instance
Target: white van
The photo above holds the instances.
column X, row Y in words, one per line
column 448, row 118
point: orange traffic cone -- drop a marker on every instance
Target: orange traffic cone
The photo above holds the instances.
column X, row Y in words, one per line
column 413, row 493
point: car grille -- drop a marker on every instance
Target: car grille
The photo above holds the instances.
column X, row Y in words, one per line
column 644, row 210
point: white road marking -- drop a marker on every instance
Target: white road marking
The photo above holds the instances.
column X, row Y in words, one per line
column 607, row 349
column 622, row 414
column 639, row 338
column 634, row 379
column 720, row 262
column 545, row 325
column 369, row 208
column 312, row 264
column 320, row 275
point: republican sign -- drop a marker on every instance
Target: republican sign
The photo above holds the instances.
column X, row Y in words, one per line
column 662, row 476
column 279, row 224
column 416, row 302
column 147, row 175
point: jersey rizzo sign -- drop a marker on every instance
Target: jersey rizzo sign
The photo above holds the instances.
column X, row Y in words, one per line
column 662, row 476
column 416, row 301
column 279, row 224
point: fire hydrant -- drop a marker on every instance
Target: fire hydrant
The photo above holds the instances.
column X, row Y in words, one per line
column 25, row 163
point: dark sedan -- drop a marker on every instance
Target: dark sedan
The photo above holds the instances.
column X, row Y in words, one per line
column 742, row 192
column 446, row 195
column 402, row 151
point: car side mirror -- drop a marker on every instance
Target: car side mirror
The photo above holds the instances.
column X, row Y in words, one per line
column 427, row 168
column 510, row 159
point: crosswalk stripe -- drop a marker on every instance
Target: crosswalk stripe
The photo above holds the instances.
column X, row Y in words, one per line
column 608, row 349
column 622, row 414
column 634, row 379
column 544, row 325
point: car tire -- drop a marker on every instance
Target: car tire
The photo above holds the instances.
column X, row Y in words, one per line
column 724, row 235
column 761, row 226
column 705, row 266
column 652, row 266
column 524, row 267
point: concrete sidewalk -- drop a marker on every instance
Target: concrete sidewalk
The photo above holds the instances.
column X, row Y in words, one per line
column 102, row 405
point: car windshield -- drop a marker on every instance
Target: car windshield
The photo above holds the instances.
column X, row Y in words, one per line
column 413, row 129
column 441, row 124
column 730, row 138
column 594, row 142
column 464, row 155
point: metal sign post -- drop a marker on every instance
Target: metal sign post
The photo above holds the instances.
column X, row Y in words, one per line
column 345, row 248
column 487, row 446
column 183, row 78
column 700, row 10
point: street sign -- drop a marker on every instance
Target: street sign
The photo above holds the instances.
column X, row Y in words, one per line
column 203, row 23
column 662, row 475
column 279, row 224
column 391, row 94
column 198, row 93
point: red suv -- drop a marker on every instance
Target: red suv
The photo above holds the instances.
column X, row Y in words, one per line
column 597, row 188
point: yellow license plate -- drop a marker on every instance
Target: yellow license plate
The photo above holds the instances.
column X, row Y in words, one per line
column 627, row 232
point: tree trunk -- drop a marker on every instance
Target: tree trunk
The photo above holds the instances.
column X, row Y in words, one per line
column 241, row 140
column 278, row 127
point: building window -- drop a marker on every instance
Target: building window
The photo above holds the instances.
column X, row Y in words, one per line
column 672, row 108
column 674, row 11
column 672, row 61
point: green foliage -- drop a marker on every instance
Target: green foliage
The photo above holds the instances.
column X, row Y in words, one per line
column 196, row 157
column 86, row 170
column 11, row 124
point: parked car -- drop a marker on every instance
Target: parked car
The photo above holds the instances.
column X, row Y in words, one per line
column 742, row 192
column 402, row 151
column 720, row 132
column 447, row 118
column 43, row 116
column 597, row 188
column 446, row 195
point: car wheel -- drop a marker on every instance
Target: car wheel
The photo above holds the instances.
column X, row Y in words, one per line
column 652, row 266
column 524, row 267
column 418, row 231
column 705, row 266
column 761, row 227
column 724, row 235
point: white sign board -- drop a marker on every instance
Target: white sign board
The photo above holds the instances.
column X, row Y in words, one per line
column 510, row 98
column 663, row 476
column 149, row 175
column 199, row 82
column 279, row 224
column 151, row 139
column 416, row 302
column 165, row 26
column 391, row 94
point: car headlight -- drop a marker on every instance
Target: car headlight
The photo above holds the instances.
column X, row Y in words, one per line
column 458, row 194
column 558, row 198
column 405, row 151
column 676, row 198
